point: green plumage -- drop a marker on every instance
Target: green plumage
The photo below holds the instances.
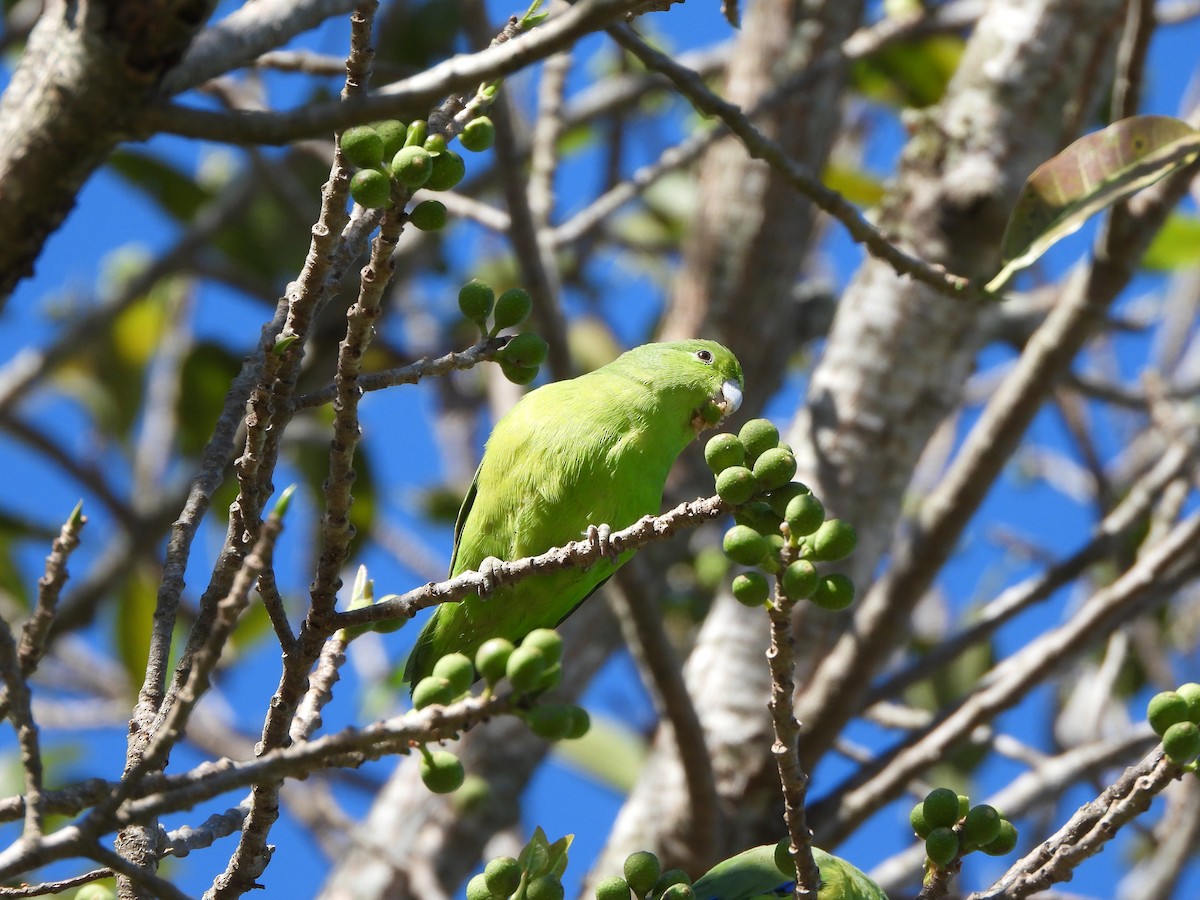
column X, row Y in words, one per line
column 753, row 874
column 588, row 451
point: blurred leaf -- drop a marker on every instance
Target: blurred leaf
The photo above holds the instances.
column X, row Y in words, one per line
column 1093, row 173
column 311, row 458
column 1176, row 246
column 416, row 35
column 253, row 625
column 207, row 373
column 133, row 623
column 177, row 193
column 611, row 753
column 909, row 73
column 856, row 185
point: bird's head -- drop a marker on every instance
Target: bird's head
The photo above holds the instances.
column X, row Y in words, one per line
column 718, row 369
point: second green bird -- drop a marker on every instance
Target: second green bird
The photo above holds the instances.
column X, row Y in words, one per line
column 588, row 451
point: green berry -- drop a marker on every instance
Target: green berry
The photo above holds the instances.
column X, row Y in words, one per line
column 800, row 580
column 441, row 772
column 1004, row 843
column 758, row 516
column 964, row 806
column 941, row 846
column 545, row 888
column 1190, row 692
column 414, row 136
column 392, row 132
column 1165, row 709
column 981, row 825
column 519, row 374
column 479, row 134
column 432, row 691
column 525, row 349
column 941, row 808
column 362, row 146
column 503, row 875
column 412, row 166
column 779, row 498
column 458, row 671
column 525, row 668
column 477, row 889
column 669, row 878
column 916, row 818
column 751, row 589
column 491, row 659
column 435, row 144
column 475, row 301
column 759, row 436
column 804, row 515
column 1181, row 742
column 736, row 485
column 679, row 892
column 722, row 451
column 448, row 170
column 512, row 308
column 473, row 796
column 614, row 887
column 371, row 189
column 550, row 679
column 551, row 721
column 641, row 871
column 774, row 468
column 428, row 215
column 547, row 641
column 581, row 723
column 834, row 539
column 744, row 545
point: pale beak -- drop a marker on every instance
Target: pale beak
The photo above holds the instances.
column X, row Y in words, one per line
column 732, row 396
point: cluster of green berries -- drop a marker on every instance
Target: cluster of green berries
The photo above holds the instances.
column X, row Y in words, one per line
column 1175, row 716
column 951, row 827
column 535, row 875
column 780, row 527
column 520, row 358
column 391, row 154
column 644, row 878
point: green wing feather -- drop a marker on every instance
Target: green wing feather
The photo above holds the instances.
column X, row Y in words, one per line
column 753, row 874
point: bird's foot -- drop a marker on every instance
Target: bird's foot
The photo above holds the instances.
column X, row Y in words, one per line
column 600, row 537
column 489, row 571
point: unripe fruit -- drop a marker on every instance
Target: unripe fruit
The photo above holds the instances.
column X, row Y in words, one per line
column 781, row 496
column 669, row 878
column 941, row 808
column 964, row 806
column 1181, row 742
column 722, row 451
column 371, row 189
column 551, row 721
column 479, row 134
column 941, row 846
column 475, row 300
column 512, row 308
column 412, row 166
column 736, row 485
column 981, row 825
column 547, row 641
column 392, row 132
column 503, row 875
column 550, row 679
column 525, row 349
column 519, row 374
column 441, row 772
column 916, row 818
column 428, row 215
column 362, row 146
column 833, row 592
column 1004, row 843
column 758, row 436
column 744, row 545
column 751, row 589
column 458, row 671
column 491, row 659
column 414, row 136
column 545, row 888
column 774, row 468
column 477, row 889
column 525, row 668
column 448, row 170
column 432, row 690
column 435, row 144
column 679, row 892
column 472, row 796
column 834, row 539
column 758, row 516
column 641, row 871
column 581, row 723
column 800, row 580
column 614, row 887
column 1165, row 709
column 804, row 515
column 1190, row 692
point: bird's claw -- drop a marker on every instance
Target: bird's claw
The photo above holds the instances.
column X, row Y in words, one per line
column 600, row 537
column 489, row 571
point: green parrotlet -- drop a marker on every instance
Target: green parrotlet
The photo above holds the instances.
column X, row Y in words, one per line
column 583, row 452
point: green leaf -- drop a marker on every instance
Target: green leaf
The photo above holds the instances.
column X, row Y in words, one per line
column 610, row 752
column 1095, row 172
column 177, row 193
column 856, row 185
column 1176, row 246
column 909, row 73
column 206, row 375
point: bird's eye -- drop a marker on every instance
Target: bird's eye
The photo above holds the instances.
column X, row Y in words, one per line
column 705, row 356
